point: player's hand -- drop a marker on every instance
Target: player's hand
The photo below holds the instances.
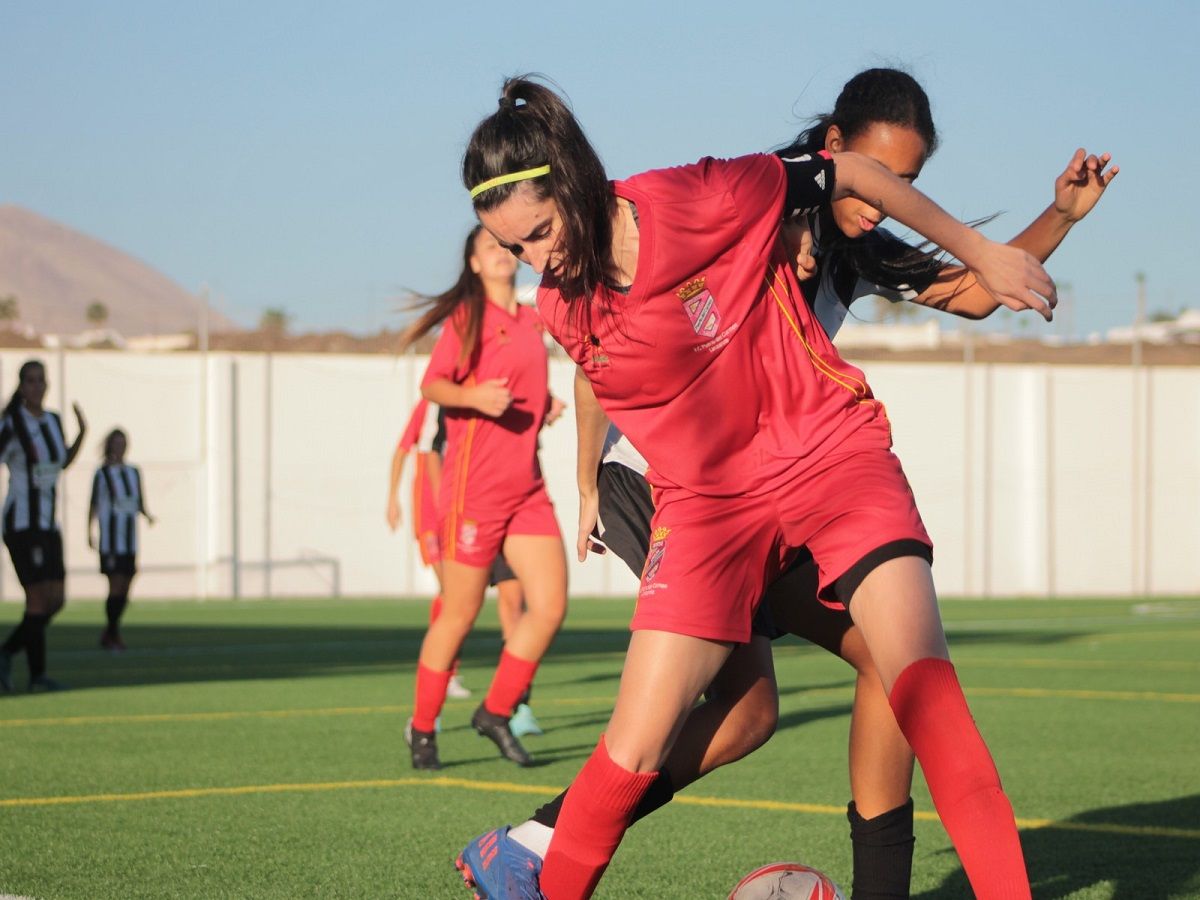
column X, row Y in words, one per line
column 557, row 408
column 150, row 520
column 492, row 397
column 589, row 515
column 1082, row 184
column 1015, row 279
column 799, row 239
column 393, row 513
column 80, row 420
column 91, row 540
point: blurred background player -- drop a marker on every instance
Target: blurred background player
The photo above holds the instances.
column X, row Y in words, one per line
column 425, row 434
column 118, row 498
column 488, row 372
column 33, row 445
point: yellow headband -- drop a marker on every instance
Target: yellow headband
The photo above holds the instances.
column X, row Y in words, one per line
column 509, row 179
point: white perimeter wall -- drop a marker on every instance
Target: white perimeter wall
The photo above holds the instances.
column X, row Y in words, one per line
column 1033, row 480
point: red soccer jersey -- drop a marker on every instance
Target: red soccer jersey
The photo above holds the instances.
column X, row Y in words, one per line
column 416, row 421
column 713, row 365
column 492, row 464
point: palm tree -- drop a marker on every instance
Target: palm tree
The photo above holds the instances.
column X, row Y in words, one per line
column 274, row 321
column 9, row 311
column 97, row 314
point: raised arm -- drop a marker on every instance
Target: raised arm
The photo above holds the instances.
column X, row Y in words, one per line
column 73, row 450
column 1076, row 192
column 1010, row 274
column 591, row 424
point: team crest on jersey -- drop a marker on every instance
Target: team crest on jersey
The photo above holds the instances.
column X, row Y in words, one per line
column 598, row 357
column 658, row 549
column 700, row 307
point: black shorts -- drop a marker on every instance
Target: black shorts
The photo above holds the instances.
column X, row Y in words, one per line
column 36, row 555
column 626, row 509
column 500, row 571
column 118, row 564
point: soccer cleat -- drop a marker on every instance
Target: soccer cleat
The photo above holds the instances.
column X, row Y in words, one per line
column 456, row 689
column 523, row 722
column 496, row 729
column 44, row 684
column 499, row 868
column 6, row 681
column 424, row 747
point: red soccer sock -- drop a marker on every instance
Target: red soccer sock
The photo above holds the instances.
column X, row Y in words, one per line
column 431, row 695
column 932, row 712
column 513, row 677
column 593, row 820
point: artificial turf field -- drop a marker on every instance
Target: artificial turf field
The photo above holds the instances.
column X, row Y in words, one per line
column 254, row 750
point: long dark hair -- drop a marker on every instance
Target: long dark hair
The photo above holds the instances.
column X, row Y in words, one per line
column 112, row 436
column 534, row 127
column 467, row 294
column 13, row 407
column 873, row 96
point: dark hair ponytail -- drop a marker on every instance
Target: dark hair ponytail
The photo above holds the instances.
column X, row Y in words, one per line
column 534, row 127
column 467, row 293
column 14, row 402
column 871, row 97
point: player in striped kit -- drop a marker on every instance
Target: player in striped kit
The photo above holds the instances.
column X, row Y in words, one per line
column 118, row 498
column 33, row 445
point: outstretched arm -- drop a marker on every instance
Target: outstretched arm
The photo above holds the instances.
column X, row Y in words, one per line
column 1011, row 275
column 1076, row 192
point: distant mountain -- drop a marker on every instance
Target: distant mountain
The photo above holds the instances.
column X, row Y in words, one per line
column 56, row 273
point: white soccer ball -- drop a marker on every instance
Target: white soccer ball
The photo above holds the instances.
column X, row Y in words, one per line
column 786, row 881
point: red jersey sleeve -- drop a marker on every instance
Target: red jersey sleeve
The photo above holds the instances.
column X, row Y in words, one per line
column 444, row 362
column 412, row 431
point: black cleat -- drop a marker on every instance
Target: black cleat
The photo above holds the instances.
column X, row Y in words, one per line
column 496, row 728
column 424, row 747
column 44, row 684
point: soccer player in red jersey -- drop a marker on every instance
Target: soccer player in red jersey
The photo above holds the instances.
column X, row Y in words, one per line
column 489, row 374
column 425, row 436
column 675, row 295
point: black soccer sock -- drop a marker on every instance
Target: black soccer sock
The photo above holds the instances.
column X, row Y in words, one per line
column 658, row 795
column 35, row 645
column 114, row 608
column 15, row 642
column 883, row 853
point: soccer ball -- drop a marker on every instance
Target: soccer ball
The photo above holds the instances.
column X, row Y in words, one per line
column 786, row 881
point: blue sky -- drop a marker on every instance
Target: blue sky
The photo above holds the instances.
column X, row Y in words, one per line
column 305, row 155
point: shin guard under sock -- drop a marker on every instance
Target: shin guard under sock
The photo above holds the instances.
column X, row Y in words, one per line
column 883, row 853
column 513, row 677
column 658, row 795
column 932, row 712
column 431, row 696
column 594, row 817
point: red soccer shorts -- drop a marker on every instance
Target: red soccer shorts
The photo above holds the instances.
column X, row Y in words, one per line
column 425, row 514
column 711, row 558
column 475, row 538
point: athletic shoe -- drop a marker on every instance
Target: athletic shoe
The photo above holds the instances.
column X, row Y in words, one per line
column 496, row 729
column 523, row 722
column 456, row 689
column 498, row 868
column 424, row 747
column 111, row 642
column 6, row 681
column 44, row 684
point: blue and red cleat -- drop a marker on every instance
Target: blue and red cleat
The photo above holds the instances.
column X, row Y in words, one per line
column 498, row 868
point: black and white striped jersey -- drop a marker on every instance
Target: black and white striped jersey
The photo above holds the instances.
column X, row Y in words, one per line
column 842, row 282
column 117, row 500
column 34, row 449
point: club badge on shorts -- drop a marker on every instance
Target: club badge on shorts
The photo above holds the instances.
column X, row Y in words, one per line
column 700, row 306
column 658, row 549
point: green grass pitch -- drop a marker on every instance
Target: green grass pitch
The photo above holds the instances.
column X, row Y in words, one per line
column 254, row 750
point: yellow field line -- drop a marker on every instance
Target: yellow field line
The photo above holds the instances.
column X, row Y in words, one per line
column 316, row 712
column 541, row 790
column 1166, row 665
